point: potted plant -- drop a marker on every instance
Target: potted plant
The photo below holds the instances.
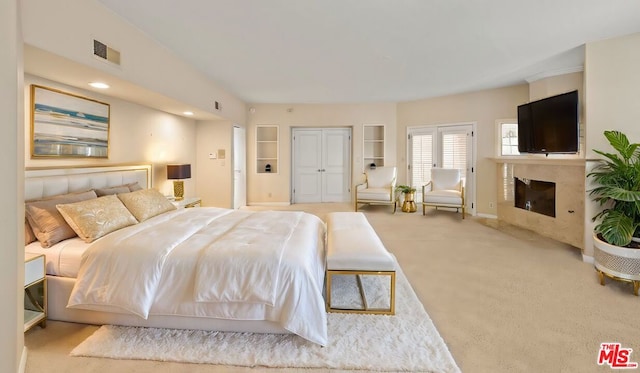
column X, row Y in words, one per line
column 409, row 205
column 617, row 191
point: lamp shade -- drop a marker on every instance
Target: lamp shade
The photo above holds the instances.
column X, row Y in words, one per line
column 178, row 171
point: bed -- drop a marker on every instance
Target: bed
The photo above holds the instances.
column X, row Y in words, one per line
column 199, row 268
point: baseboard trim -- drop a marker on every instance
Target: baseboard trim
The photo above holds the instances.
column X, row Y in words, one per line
column 268, row 204
column 587, row 259
column 23, row 360
column 488, row 216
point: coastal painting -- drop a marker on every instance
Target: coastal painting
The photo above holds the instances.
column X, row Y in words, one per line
column 68, row 125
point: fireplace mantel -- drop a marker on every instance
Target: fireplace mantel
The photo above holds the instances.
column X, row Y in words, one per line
column 541, row 161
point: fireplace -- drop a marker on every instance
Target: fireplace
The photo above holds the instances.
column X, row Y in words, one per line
column 536, row 196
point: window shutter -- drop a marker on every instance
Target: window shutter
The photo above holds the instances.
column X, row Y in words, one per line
column 422, row 159
column 454, row 150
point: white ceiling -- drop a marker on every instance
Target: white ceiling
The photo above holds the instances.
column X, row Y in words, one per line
column 345, row 51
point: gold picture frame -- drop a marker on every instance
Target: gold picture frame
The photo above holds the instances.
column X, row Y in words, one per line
column 68, row 125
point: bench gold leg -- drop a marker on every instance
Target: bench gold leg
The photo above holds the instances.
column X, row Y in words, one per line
column 361, row 290
column 366, row 309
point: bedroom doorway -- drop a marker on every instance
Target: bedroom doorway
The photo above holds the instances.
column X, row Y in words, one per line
column 239, row 167
column 321, row 165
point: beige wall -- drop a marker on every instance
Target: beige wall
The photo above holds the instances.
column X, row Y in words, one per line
column 137, row 134
column 555, row 85
column 260, row 186
column 11, row 189
column 483, row 108
column 611, row 103
column 214, row 181
column 51, row 26
column 612, row 79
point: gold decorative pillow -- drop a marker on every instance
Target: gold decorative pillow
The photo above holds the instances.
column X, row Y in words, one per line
column 47, row 224
column 146, row 203
column 95, row 218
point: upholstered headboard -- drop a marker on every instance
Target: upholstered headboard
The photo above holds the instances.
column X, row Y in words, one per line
column 45, row 182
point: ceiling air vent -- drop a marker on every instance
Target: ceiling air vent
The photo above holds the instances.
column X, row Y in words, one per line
column 105, row 52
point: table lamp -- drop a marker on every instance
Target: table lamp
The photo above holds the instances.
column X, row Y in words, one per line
column 177, row 173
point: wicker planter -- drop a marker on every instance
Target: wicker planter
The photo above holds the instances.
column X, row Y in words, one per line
column 619, row 263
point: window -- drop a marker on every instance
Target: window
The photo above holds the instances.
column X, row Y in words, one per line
column 454, row 150
column 421, row 158
column 509, row 139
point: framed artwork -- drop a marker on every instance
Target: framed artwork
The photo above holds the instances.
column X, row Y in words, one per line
column 67, row 125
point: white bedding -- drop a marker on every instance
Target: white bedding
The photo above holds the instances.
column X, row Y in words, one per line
column 62, row 259
column 157, row 264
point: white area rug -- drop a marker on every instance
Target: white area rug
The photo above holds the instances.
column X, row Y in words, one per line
column 407, row 341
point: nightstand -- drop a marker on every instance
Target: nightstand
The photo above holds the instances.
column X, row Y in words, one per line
column 35, row 291
column 187, row 202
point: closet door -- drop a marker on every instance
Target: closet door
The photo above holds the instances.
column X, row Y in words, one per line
column 321, row 165
column 239, row 168
column 336, row 147
column 307, row 183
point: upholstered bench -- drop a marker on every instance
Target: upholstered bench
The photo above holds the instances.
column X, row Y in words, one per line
column 354, row 248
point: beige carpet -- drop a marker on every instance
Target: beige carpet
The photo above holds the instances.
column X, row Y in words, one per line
column 409, row 336
column 503, row 301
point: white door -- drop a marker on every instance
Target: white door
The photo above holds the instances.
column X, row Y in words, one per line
column 336, row 148
column 321, row 165
column 448, row 146
column 307, row 158
column 239, row 168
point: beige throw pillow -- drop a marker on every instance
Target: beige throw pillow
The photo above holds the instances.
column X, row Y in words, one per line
column 29, row 236
column 126, row 188
column 146, row 203
column 112, row 190
column 45, row 220
column 134, row 186
column 95, row 218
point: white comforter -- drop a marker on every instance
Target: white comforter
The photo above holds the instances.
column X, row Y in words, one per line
column 211, row 262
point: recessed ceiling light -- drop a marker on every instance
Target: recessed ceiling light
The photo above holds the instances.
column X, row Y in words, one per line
column 99, row 85
column 188, row 113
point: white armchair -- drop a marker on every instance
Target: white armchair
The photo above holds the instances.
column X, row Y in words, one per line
column 378, row 188
column 446, row 189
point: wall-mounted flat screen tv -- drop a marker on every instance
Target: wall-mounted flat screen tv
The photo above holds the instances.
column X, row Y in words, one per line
column 549, row 125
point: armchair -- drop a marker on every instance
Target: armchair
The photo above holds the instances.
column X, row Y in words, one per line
column 378, row 188
column 446, row 189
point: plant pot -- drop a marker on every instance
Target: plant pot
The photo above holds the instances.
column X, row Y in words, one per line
column 409, row 204
column 619, row 263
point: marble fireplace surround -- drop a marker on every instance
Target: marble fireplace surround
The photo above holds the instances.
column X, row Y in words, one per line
column 569, row 177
